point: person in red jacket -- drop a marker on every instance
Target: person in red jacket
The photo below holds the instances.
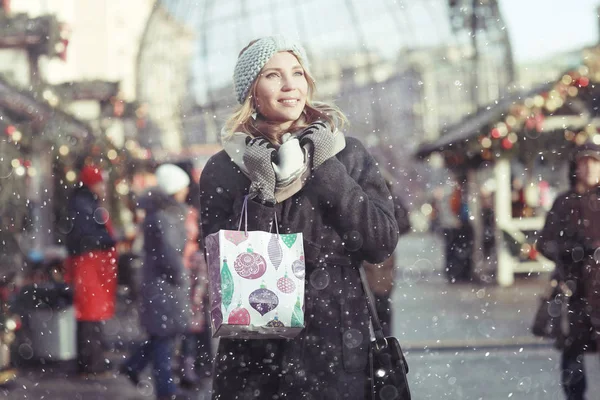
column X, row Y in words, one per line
column 91, row 268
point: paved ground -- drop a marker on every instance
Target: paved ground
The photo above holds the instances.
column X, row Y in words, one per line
column 493, row 374
column 463, row 341
column 431, row 313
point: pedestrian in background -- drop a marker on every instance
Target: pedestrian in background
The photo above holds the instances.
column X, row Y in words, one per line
column 91, row 269
column 570, row 240
column 288, row 153
column 195, row 350
column 165, row 306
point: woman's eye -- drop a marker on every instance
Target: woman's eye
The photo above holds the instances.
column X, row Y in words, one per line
column 299, row 73
column 272, row 75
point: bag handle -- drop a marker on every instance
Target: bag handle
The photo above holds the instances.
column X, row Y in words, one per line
column 380, row 340
column 244, row 217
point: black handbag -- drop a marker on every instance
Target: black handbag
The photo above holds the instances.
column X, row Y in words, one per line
column 387, row 365
column 550, row 320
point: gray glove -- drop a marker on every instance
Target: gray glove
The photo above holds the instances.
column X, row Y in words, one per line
column 259, row 156
column 319, row 140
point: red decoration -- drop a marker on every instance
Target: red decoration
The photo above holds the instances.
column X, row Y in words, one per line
column 239, row 316
column 496, row 133
column 10, row 130
column 507, row 144
column 250, row 265
column 118, row 108
column 65, row 34
column 286, row 285
column 535, row 122
column 533, row 253
column 582, row 81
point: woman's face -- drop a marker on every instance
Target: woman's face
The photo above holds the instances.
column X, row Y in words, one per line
column 588, row 171
column 281, row 90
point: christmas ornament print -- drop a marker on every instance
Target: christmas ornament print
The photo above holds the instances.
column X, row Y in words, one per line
column 235, row 237
column 299, row 268
column 263, row 300
column 298, row 315
column 275, row 252
column 275, row 323
column 239, row 316
column 226, row 285
column 286, row 285
column 289, row 239
column 250, row 265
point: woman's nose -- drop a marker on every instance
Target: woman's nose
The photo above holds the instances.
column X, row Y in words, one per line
column 288, row 83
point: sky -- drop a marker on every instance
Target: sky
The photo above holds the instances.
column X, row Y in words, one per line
column 539, row 28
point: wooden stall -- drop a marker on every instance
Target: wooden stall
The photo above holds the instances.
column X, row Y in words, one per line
column 521, row 144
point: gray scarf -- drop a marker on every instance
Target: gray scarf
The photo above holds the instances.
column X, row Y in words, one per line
column 234, row 145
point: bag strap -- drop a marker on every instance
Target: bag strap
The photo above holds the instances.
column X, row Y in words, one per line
column 380, row 340
column 244, row 218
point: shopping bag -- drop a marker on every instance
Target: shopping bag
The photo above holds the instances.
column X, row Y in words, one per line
column 256, row 282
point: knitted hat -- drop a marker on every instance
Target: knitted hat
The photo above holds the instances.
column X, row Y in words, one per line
column 171, row 179
column 588, row 149
column 254, row 58
column 90, row 175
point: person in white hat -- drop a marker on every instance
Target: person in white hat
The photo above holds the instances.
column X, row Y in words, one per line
column 165, row 306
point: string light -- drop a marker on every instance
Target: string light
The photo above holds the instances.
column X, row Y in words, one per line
column 528, row 114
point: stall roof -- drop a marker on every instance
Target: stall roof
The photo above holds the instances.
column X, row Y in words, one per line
column 25, row 105
column 470, row 126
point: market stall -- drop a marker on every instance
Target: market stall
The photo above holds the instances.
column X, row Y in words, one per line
column 517, row 149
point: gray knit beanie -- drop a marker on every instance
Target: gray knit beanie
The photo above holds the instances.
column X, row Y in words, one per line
column 251, row 61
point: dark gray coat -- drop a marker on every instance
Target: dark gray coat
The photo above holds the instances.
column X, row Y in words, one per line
column 567, row 239
column 346, row 215
column 165, row 307
column 89, row 231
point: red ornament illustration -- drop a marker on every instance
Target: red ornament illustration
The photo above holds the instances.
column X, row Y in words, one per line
column 235, row 237
column 285, row 284
column 250, row 265
column 239, row 316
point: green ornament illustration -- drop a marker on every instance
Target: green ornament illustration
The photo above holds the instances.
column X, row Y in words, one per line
column 298, row 315
column 289, row 240
column 226, row 285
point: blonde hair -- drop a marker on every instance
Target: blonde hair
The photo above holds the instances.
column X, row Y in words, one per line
column 241, row 119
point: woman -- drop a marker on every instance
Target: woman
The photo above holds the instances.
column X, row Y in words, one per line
column 165, row 307
column 564, row 241
column 287, row 153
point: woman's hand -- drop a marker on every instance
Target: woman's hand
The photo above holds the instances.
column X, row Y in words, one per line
column 291, row 161
column 259, row 156
column 320, row 141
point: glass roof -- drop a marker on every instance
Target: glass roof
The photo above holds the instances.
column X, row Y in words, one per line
column 332, row 29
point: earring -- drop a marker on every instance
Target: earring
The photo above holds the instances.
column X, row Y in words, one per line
column 253, row 115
